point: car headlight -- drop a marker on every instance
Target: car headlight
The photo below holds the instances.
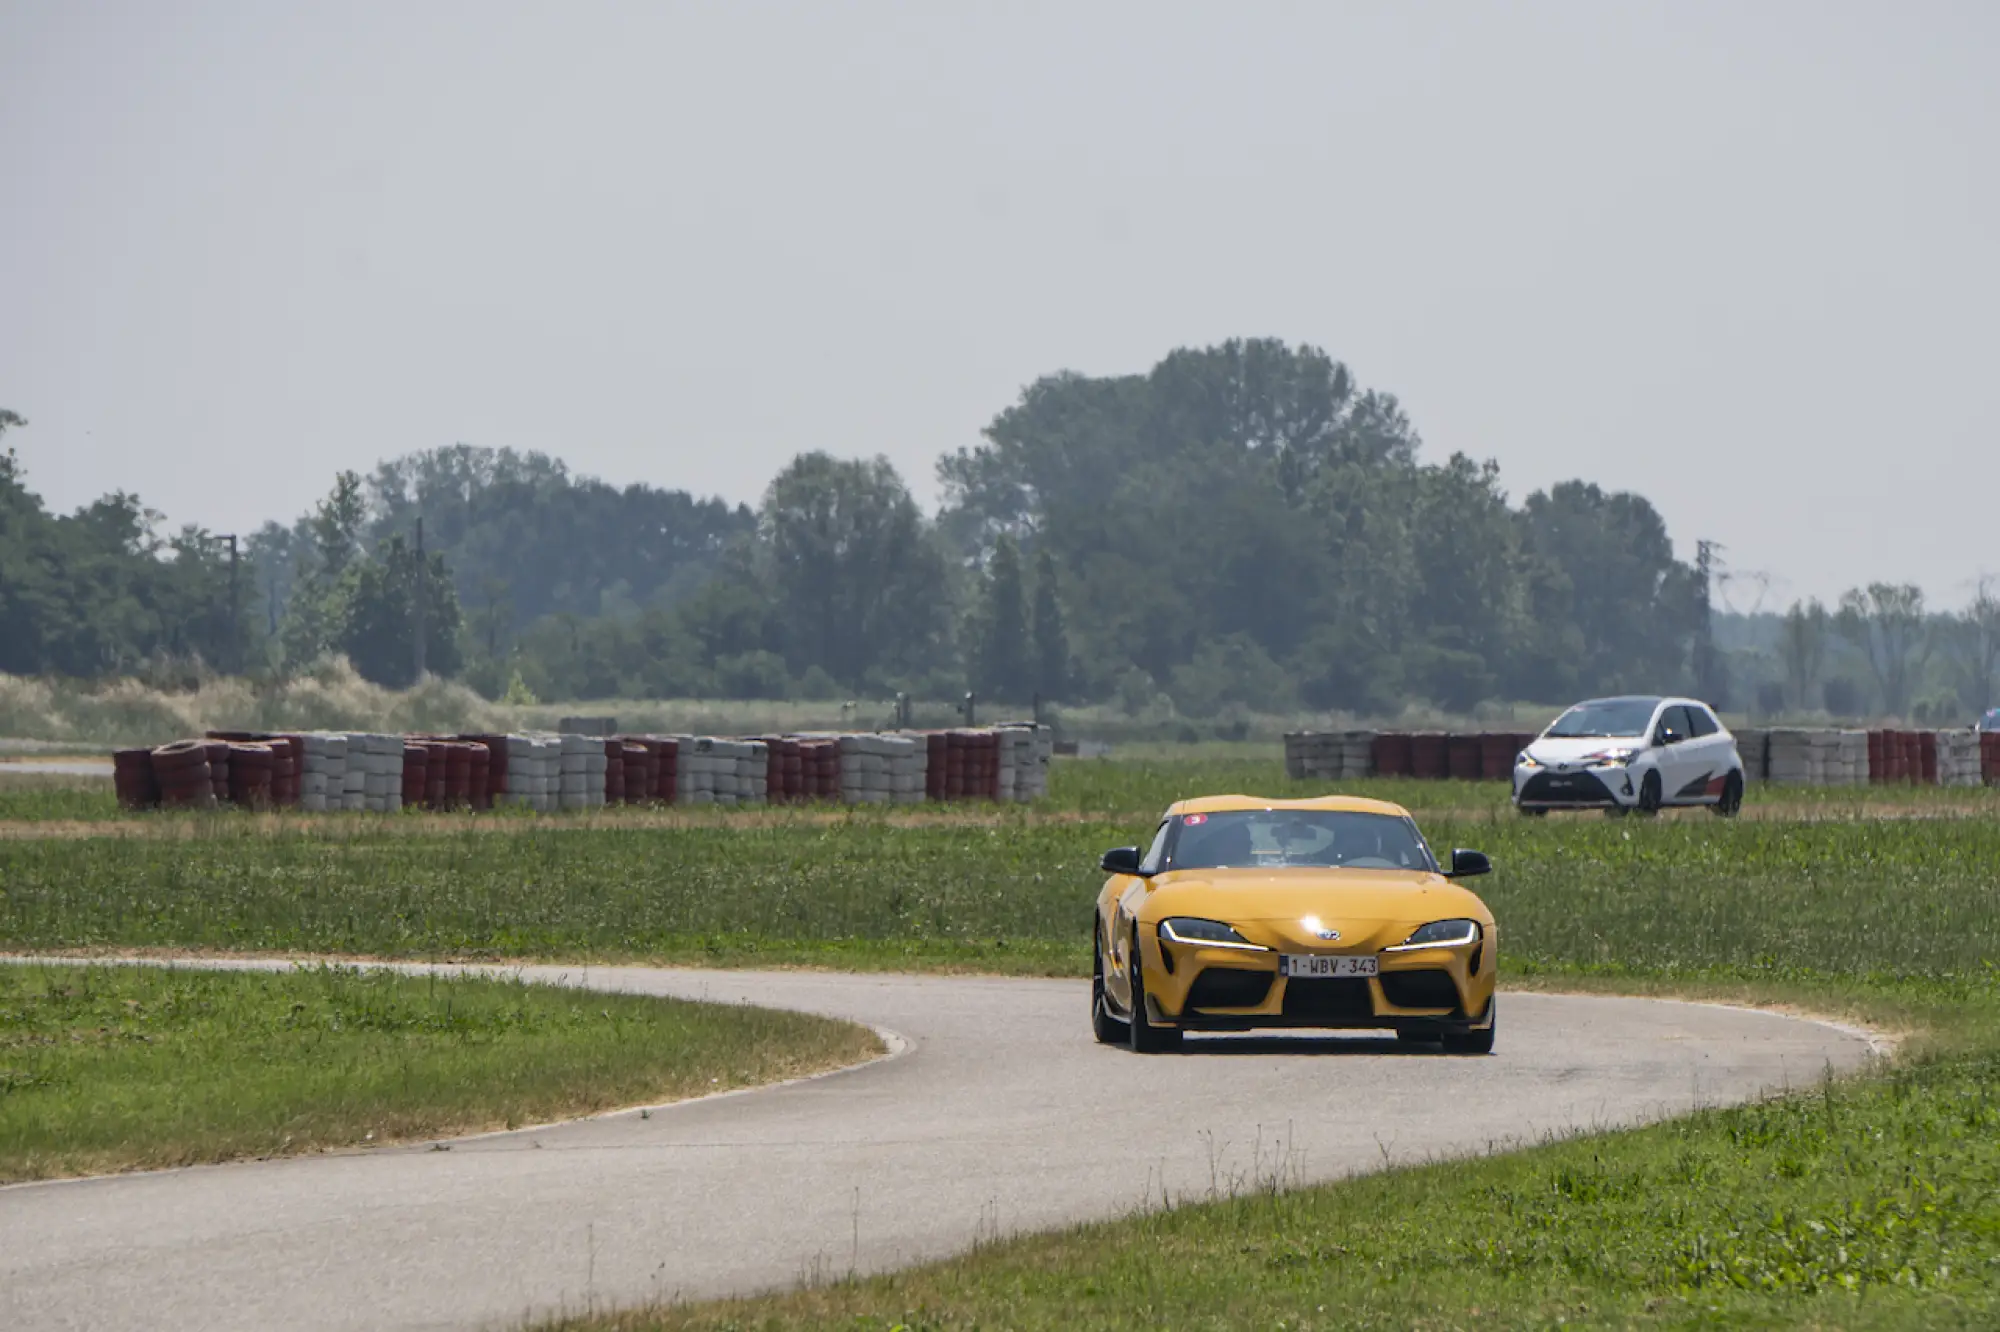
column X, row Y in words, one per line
column 1440, row 934
column 1526, row 760
column 1205, row 933
column 1614, row 758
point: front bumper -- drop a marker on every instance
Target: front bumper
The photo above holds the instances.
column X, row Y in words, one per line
column 1605, row 787
column 1214, row 989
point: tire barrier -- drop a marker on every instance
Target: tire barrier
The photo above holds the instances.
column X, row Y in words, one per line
column 1801, row 756
column 1433, row 755
column 323, row 772
column 1753, row 746
column 1330, row 755
column 133, row 779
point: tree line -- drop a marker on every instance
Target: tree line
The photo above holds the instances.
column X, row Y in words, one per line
column 1242, row 527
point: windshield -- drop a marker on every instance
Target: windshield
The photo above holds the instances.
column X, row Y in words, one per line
column 1606, row 716
column 1296, row 838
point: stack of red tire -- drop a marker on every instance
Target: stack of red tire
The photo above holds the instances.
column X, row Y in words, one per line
column 250, row 765
column 132, row 777
column 1496, row 754
column 614, row 772
column 1464, row 757
column 416, row 774
column 489, row 779
column 642, row 771
column 936, row 757
column 1927, row 758
column 775, row 788
column 1429, row 755
column 218, row 769
column 1913, row 756
column 1989, row 757
column 1878, row 759
column 182, row 772
column 819, row 762
column 288, row 764
column 1392, row 754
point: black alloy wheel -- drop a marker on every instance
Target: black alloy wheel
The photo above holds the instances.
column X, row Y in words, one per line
column 1106, row 1028
column 1145, row 1038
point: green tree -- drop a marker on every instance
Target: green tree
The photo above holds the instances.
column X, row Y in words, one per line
column 858, row 582
column 379, row 602
column 1802, row 644
column 1002, row 664
column 1053, row 668
column 1970, row 642
column 1887, row 624
column 315, row 618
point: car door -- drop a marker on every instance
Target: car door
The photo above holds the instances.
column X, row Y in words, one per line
column 1709, row 747
column 1677, row 759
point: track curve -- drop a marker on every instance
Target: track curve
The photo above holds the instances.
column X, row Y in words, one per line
column 998, row 1114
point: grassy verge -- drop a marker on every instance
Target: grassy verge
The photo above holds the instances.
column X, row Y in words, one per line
column 110, row 1068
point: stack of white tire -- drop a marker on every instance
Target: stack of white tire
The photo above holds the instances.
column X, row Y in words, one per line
column 323, row 776
column 1958, row 758
column 1793, row 759
column 374, row 778
column 1843, row 758
column 713, row 771
column 1027, row 750
column 581, row 784
column 879, row 769
column 534, row 772
column 1327, row 755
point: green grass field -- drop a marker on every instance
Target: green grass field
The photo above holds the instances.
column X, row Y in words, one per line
column 110, row 1068
column 1748, row 899
column 1873, row 1203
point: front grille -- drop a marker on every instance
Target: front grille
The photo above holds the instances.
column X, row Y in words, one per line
column 1229, row 987
column 1573, row 788
column 1340, row 1000
column 1420, row 989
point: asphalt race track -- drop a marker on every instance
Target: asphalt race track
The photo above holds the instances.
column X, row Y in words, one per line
column 996, row 1113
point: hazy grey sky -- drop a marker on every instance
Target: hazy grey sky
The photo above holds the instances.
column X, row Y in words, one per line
column 1741, row 257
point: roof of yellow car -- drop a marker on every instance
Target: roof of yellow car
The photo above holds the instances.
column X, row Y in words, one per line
column 1222, row 804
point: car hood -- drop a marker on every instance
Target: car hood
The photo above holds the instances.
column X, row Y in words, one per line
column 1574, row 751
column 1370, row 908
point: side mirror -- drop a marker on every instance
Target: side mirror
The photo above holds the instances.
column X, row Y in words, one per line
column 1121, row 860
column 1467, row 864
column 1669, row 736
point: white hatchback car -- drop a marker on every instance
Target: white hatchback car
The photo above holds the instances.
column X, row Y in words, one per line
column 1639, row 752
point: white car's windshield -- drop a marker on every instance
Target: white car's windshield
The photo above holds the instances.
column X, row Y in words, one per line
column 1604, row 717
column 1288, row 838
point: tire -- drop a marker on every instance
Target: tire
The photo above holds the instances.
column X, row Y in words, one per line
column 1649, row 793
column 1475, row 1042
column 1107, row 1029
column 1417, row 1037
column 1732, row 797
column 1141, row 1034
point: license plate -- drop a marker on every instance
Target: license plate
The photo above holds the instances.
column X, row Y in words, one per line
column 1320, row 964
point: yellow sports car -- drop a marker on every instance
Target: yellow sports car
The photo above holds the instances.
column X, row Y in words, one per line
column 1331, row 912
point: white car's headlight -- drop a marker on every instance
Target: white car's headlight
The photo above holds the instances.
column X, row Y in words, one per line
column 1614, row 758
column 1440, row 934
column 1526, row 760
column 1206, row 933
